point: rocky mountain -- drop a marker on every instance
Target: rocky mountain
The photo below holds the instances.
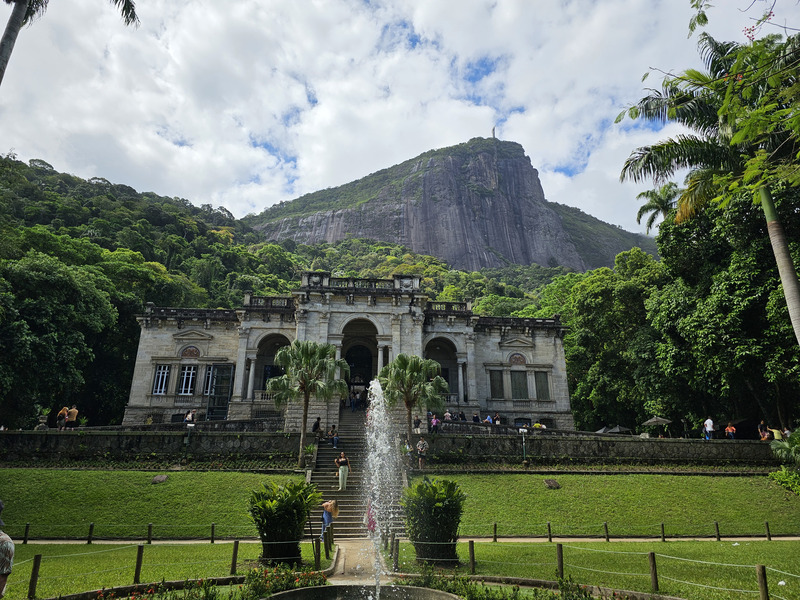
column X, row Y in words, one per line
column 478, row 204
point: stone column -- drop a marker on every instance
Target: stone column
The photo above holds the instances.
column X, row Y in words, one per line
column 251, row 392
column 461, row 365
column 380, row 357
column 472, row 371
column 241, row 362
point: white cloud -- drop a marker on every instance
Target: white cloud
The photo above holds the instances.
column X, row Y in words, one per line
column 245, row 104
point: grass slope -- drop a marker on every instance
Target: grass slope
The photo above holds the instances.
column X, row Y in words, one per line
column 686, row 569
column 632, row 505
column 61, row 504
column 72, row 568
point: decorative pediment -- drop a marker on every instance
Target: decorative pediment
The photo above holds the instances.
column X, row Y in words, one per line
column 192, row 335
column 516, row 342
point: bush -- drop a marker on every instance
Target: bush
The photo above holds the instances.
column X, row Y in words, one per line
column 279, row 513
column 433, row 513
column 788, row 479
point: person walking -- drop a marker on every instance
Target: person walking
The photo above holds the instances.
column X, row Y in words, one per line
column 6, row 556
column 422, row 449
column 330, row 510
column 344, row 470
column 708, row 428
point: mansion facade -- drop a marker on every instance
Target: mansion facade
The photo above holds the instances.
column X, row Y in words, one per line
column 218, row 361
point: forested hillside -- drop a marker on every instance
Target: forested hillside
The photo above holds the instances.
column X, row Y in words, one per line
column 703, row 331
column 78, row 260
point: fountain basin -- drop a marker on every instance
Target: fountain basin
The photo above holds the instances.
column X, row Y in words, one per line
column 364, row 592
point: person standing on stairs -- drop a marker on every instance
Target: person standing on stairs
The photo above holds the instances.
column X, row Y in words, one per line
column 344, row 470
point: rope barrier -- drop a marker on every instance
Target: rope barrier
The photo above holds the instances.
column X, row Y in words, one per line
column 704, row 562
column 710, row 587
column 606, row 572
column 87, row 553
column 783, row 572
column 604, row 551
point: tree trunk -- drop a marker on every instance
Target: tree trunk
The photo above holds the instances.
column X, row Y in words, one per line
column 786, row 270
column 10, row 34
column 408, row 422
column 306, row 399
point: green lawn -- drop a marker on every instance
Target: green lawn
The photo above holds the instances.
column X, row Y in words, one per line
column 624, row 565
column 632, row 505
column 61, row 504
column 72, row 568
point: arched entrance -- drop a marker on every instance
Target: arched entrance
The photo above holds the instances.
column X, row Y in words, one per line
column 264, row 363
column 360, row 351
column 443, row 351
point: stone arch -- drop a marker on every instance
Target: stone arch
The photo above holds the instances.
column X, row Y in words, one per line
column 360, row 351
column 264, row 361
column 443, row 349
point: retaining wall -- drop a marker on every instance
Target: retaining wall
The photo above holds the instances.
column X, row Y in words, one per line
column 540, row 448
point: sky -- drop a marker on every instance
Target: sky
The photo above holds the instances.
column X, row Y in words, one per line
column 245, row 104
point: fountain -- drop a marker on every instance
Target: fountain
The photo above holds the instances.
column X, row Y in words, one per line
column 382, row 485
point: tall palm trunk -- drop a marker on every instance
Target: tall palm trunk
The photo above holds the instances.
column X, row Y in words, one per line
column 786, row 270
column 10, row 34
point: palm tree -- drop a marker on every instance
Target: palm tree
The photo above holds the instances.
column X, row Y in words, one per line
column 659, row 202
column 26, row 11
column 717, row 153
column 310, row 369
column 414, row 380
column 788, row 450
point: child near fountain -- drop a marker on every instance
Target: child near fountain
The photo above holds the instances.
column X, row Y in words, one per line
column 330, row 510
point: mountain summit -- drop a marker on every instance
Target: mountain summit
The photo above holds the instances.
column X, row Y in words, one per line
column 477, row 204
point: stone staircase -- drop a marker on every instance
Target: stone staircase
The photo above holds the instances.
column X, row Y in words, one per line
column 352, row 502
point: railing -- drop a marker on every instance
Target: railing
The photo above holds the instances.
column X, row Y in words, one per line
column 446, row 307
column 177, row 400
column 361, row 284
column 272, row 302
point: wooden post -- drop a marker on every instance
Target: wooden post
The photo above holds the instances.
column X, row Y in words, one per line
column 331, row 531
column 549, row 532
column 137, row 573
column 91, row 533
column 37, row 561
column 27, row 531
column 235, row 556
column 395, row 554
column 761, row 574
column 663, row 536
column 560, row 561
column 653, row 572
column 605, row 529
column 327, row 543
column 149, row 533
column 391, row 544
column 494, row 533
column 472, row 557
column 716, row 529
column 213, row 527
column 769, row 535
column 316, row 554
column 385, row 541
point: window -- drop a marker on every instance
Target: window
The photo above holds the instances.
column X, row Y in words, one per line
column 542, row 386
column 187, row 380
column 161, row 380
column 496, row 384
column 519, row 385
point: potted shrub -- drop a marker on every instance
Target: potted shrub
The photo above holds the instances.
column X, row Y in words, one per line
column 433, row 511
column 308, row 454
column 279, row 513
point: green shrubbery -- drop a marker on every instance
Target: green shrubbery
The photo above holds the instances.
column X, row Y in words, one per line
column 433, row 513
column 279, row 513
column 788, row 479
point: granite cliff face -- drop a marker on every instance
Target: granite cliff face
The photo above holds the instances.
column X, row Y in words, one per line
column 475, row 205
